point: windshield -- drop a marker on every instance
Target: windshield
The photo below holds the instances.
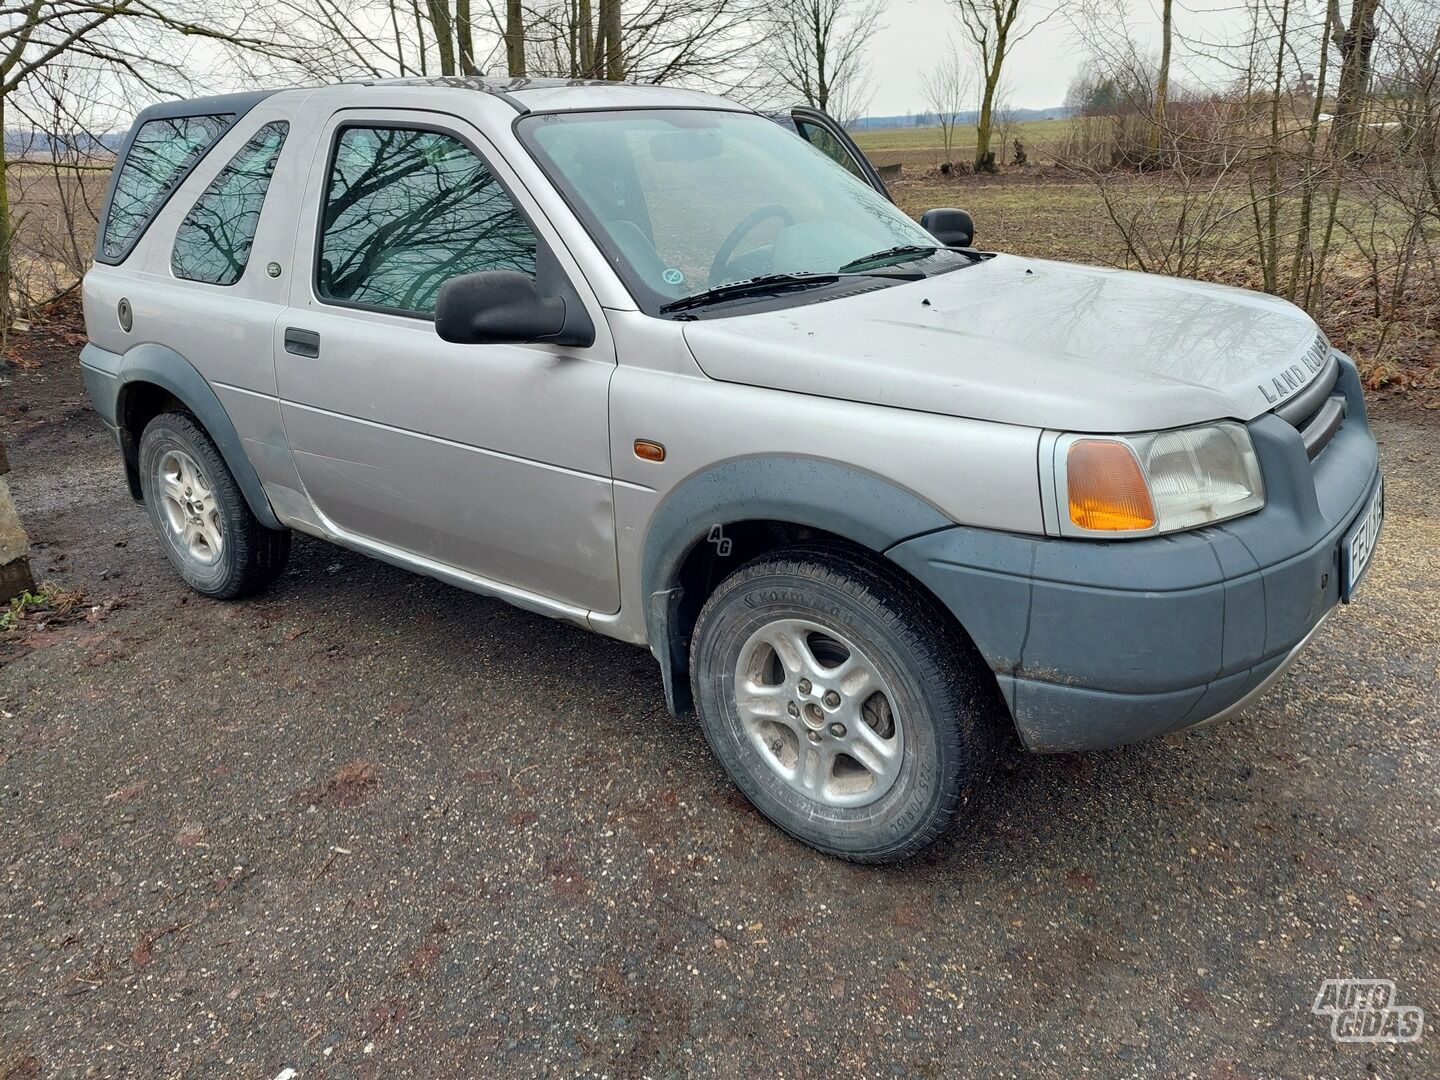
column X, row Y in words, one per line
column 685, row 200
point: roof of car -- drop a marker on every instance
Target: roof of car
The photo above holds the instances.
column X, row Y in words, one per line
column 546, row 95
column 523, row 95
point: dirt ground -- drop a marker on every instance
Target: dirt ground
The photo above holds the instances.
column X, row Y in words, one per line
column 367, row 825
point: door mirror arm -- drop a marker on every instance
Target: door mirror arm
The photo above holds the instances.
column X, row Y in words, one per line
column 507, row 307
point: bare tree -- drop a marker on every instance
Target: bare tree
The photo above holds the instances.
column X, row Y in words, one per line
column 1254, row 182
column 340, row 39
column 1355, row 42
column 849, row 104
column 712, row 45
column 1162, row 76
column 1395, row 227
column 818, row 46
column 947, row 87
column 139, row 47
column 994, row 28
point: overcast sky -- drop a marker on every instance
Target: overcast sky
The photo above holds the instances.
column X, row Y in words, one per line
column 917, row 31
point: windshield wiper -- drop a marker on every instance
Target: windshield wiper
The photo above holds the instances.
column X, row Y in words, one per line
column 770, row 284
column 896, row 253
column 912, row 251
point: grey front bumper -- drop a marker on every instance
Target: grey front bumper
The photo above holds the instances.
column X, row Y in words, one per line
column 1095, row 644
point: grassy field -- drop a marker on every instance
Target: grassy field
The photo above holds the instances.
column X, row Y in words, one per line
column 922, row 148
column 53, row 216
column 876, row 140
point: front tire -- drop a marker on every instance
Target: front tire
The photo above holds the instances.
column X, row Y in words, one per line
column 841, row 700
column 205, row 525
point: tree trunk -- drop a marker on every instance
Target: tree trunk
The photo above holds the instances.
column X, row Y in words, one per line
column 515, row 39
column 420, row 37
column 465, row 37
column 572, row 40
column 586, row 19
column 1302, row 263
column 1356, row 44
column 1270, row 248
column 984, row 156
column 610, row 27
column 7, row 283
column 444, row 35
column 1162, row 80
column 822, row 77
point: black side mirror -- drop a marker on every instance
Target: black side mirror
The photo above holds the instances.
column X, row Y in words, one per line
column 506, row 307
column 953, row 228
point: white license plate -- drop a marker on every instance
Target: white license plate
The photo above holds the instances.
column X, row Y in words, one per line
column 1359, row 543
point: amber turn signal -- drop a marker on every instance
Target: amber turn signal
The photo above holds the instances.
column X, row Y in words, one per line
column 1107, row 489
column 646, row 450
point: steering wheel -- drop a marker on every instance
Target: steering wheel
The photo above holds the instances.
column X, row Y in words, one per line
column 727, row 249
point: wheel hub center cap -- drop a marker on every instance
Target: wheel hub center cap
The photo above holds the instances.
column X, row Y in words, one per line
column 812, row 715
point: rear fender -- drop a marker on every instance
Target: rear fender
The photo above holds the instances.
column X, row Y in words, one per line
column 118, row 377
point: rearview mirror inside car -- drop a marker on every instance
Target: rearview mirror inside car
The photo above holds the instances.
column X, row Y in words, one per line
column 686, row 146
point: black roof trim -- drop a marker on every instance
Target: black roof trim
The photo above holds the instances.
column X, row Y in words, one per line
column 239, row 104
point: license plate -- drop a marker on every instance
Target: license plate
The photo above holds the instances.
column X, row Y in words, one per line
column 1359, row 543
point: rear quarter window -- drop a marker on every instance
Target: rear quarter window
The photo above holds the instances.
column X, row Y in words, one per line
column 213, row 242
column 161, row 155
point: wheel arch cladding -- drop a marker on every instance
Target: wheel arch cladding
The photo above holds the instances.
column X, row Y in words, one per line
column 776, row 491
column 150, row 367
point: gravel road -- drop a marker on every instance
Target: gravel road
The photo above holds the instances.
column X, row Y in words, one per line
column 367, row 825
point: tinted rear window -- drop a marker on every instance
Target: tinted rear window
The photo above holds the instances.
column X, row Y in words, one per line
column 213, row 242
column 160, row 156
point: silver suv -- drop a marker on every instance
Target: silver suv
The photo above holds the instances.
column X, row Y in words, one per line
column 649, row 361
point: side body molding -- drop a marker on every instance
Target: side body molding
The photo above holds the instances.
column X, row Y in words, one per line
column 110, row 377
column 809, row 492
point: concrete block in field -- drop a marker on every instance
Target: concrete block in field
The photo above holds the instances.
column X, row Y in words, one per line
column 15, row 576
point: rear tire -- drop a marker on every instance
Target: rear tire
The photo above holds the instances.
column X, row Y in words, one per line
column 843, row 702
column 206, row 527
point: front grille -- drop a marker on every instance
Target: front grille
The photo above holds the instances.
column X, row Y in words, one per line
column 1318, row 411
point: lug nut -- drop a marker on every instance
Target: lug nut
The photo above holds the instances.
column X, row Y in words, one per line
column 804, row 686
column 793, row 709
column 832, row 699
column 837, row 730
column 814, row 736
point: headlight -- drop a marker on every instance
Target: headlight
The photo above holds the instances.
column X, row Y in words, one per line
column 1142, row 485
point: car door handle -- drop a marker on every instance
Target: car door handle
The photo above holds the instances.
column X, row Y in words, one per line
column 302, row 342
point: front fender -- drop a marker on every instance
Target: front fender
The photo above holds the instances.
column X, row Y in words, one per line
column 859, row 506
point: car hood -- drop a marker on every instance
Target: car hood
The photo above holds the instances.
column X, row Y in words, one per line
column 1032, row 342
